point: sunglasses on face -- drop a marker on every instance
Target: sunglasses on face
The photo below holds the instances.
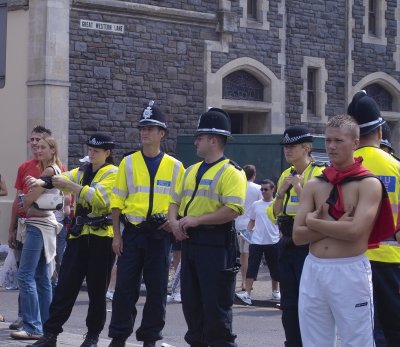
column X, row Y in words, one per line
column 265, row 189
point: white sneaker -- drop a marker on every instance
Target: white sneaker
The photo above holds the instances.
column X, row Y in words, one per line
column 110, row 295
column 170, row 298
column 244, row 297
column 177, row 297
column 276, row 295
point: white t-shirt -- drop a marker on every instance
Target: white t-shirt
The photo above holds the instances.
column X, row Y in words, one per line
column 253, row 193
column 265, row 232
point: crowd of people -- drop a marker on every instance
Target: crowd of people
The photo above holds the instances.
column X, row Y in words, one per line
column 328, row 233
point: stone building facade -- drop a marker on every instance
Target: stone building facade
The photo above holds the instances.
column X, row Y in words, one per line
column 79, row 66
column 94, row 64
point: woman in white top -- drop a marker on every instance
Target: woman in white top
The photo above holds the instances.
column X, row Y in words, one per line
column 39, row 248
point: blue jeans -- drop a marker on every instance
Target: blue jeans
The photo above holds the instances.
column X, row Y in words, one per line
column 34, row 282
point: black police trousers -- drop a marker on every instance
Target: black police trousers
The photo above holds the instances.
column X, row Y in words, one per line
column 89, row 256
column 144, row 252
column 208, row 288
column 291, row 260
column 386, row 284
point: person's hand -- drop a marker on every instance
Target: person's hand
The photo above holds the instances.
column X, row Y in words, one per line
column 32, row 182
column 317, row 214
column 348, row 216
column 60, row 182
column 297, row 180
column 178, row 233
column 117, row 244
column 12, row 239
column 165, row 226
column 397, row 236
column 287, row 182
column 188, row 222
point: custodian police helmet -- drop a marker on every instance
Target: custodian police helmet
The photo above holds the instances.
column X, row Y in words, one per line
column 366, row 112
column 214, row 121
column 152, row 115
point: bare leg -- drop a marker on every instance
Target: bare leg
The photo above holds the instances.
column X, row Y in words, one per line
column 244, row 261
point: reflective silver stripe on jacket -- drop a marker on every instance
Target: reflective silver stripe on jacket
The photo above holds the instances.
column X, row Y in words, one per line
column 120, row 192
column 103, row 193
column 135, row 219
column 90, row 193
column 129, row 176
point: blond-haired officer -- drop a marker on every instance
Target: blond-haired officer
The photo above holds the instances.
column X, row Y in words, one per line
column 212, row 196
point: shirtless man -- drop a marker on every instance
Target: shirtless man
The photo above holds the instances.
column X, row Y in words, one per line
column 335, row 286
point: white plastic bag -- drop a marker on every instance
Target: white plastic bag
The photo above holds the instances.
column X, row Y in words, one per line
column 8, row 273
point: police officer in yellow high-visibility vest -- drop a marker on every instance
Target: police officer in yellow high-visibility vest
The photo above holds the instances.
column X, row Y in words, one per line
column 88, row 253
column 385, row 260
column 211, row 197
column 144, row 186
column 297, row 145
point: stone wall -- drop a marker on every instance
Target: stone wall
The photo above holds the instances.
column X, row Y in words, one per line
column 113, row 76
column 369, row 58
column 315, row 28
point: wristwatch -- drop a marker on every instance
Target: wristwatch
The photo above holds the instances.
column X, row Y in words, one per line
column 278, row 196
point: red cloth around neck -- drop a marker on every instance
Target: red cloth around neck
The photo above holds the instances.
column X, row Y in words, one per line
column 384, row 225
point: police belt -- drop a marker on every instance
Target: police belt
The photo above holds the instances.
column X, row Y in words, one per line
column 101, row 222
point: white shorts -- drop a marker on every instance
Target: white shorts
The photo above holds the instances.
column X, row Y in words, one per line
column 336, row 293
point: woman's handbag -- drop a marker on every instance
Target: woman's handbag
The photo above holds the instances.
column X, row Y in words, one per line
column 50, row 200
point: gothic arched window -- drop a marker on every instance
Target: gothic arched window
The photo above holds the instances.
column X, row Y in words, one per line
column 241, row 85
column 382, row 97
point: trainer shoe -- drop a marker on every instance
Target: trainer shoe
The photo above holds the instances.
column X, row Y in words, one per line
column 244, row 297
column 90, row 340
column 24, row 335
column 17, row 324
column 276, row 295
column 110, row 295
column 149, row 344
column 47, row 340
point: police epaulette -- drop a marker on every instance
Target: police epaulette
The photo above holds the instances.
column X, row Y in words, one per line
column 319, row 163
column 395, row 157
column 236, row 165
column 127, row 154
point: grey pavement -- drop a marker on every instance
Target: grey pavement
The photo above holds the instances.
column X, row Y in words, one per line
column 257, row 325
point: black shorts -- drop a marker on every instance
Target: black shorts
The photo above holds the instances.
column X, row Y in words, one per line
column 271, row 257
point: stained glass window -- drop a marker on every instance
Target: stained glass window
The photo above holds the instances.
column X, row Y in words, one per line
column 241, row 85
column 382, row 97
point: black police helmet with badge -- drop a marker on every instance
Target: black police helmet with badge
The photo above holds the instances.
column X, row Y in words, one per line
column 214, row 121
column 152, row 115
column 101, row 140
column 366, row 112
column 296, row 134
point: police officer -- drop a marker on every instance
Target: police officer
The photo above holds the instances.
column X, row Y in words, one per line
column 385, row 260
column 212, row 196
column 297, row 145
column 88, row 252
column 144, row 185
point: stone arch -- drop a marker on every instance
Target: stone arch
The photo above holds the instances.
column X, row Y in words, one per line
column 387, row 82
column 393, row 87
column 274, row 92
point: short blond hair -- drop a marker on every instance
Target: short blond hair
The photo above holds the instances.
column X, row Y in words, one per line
column 344, row 121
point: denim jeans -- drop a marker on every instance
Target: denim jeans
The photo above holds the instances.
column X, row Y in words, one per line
column 34, row 282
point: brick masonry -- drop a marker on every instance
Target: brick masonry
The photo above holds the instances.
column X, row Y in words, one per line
column 114, row 75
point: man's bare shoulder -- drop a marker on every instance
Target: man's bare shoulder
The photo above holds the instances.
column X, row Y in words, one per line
column 370, row 183
column 316, row 183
